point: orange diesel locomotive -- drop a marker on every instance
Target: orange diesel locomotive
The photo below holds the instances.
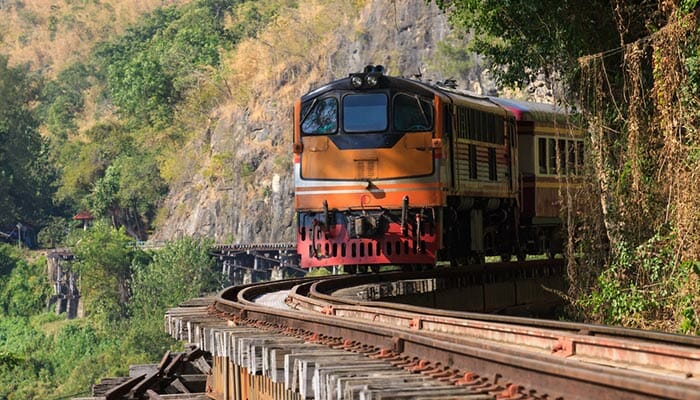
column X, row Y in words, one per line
column 395, row 171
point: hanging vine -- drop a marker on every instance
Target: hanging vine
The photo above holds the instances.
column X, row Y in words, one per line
column 645, row 152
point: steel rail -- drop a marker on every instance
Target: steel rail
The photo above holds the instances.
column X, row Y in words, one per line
column 627, row 348
column 545, row 373
column 319, row 295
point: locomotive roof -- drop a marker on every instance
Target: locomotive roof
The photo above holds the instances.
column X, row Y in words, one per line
column 520, row 110
column 531, row 111
column 414, row 86
column 387, row 82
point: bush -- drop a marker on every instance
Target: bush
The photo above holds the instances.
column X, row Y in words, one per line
column 646, row 287
column 180, row 271
column 27, row 289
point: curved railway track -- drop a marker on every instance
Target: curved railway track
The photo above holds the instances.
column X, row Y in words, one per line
column 413, row 352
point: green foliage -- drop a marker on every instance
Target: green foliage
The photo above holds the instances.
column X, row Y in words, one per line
column 25, row 176
column 62, row 100
column 85, row 162
column 454, row 58
column 19, row 341
column 638, row 96
column 163, row 75
column 39, row 360
column 27, row 289
column 687, row 6
column 150, row 67
column 251, row 17
column 38, row 356
column 644, row 284
column 140, row 184
column 522, row 38
column 103, row 196
column 182, row 270
column 247, row 172
column 151, row 73
column 8, row 359
column 131, row 185
column 9, row 256
column 113, row 177
column 104, row 257
column 318, row 272
column 54, row 232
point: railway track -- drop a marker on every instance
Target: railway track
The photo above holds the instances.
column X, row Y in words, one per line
column 338, row 337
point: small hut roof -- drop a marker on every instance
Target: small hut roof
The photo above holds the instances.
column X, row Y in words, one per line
column 83, row 215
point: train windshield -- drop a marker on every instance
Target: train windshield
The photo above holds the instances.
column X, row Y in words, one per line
column 365, row 112
column 321, row 118
column 412, row 113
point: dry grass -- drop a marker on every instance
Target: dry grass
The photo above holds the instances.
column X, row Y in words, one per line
column 679, row 123
column 48, row 35
column 289, row 56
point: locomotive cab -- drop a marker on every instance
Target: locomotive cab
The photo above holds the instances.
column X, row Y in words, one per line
column 366, row 173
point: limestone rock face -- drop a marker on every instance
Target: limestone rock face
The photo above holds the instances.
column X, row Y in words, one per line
column 247, row 194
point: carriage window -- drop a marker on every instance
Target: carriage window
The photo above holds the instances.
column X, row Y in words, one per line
column 412, row 113
column 542, row 154
column 552, row 154
column 365, row 112
column 579, row 156
column 571, row 167
column 322, row 119
column 565, row 156
column 561, row 153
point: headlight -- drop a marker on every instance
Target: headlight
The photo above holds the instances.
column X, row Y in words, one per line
column 356, row 81
column 372, row 80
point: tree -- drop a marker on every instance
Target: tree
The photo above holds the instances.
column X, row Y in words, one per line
column 128, row 193
column 104, row 257
column 145, row 75
column 27, row 289
column 62, row 101
column 25, row 176
column 149, row 69
column 182, row 270
column 523, row 38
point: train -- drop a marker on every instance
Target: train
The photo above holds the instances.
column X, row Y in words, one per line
column 397, row 171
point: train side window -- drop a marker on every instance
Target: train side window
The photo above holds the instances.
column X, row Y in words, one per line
column 321, row 118
column 461, row 122
column 412, row 113
column 571, row 157
column 552, row 156
column 447, row 129
column 561, row 153
column 493, row 167
column 472, row 125
column 473, row 173
column 492, row 133
column 579, row 156
column 542, row 155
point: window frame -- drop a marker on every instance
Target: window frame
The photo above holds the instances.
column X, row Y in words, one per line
column 343, row 114
column 313, row 105
column 421, row 100
column 563, row 166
